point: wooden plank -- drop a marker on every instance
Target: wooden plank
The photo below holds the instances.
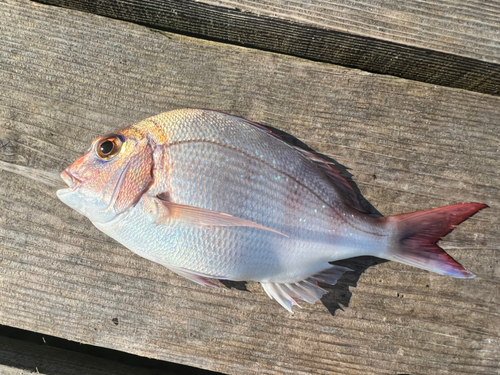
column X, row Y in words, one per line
column 5, row 370
column 67, row 77
column 442, row 42
column 22, row 357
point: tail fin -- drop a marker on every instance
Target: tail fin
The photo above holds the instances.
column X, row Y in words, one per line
column 417, row 233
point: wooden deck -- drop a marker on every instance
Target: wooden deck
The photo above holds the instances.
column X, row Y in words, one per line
column 416, row 137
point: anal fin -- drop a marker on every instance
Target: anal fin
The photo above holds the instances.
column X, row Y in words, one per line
column 306, row 290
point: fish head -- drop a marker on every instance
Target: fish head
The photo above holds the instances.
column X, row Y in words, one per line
column 110, row 177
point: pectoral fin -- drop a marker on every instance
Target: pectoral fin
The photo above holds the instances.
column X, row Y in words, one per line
column 200, row 216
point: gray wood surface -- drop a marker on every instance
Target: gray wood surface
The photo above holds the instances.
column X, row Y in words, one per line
column 6, row 370
column 67, row 77
column 443, row 42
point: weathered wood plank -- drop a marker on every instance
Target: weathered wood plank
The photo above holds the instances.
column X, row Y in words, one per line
column 22, row 357
column 443, row 42
column 5, row 370
column 67, row 77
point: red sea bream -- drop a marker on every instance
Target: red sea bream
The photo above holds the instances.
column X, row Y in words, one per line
column 213, row 196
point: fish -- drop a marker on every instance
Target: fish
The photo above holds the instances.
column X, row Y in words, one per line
column 213, row 196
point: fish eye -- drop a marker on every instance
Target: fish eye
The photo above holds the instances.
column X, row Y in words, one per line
column 109, row 146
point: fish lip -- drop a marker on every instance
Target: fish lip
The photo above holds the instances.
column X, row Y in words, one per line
column 69, row 179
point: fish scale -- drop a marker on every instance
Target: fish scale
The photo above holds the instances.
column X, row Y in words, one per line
column 245, row 138
column 213, row 196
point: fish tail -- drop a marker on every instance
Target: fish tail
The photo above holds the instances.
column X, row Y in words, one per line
column 416, row 235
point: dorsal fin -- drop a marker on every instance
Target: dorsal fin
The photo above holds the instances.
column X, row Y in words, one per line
column 333, row 174
column 348, row 194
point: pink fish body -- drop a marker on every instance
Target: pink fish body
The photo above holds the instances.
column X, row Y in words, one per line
column 212, row 196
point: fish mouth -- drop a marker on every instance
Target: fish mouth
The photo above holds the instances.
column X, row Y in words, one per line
column 68, row 195
column 69, row 179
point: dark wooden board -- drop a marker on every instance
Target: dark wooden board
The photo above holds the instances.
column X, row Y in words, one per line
column 67, row 77
column 442, row 42
column 21, row 357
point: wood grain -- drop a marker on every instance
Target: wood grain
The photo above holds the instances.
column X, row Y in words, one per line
column 20, row 357
column 67, row 77
column 442, row 42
